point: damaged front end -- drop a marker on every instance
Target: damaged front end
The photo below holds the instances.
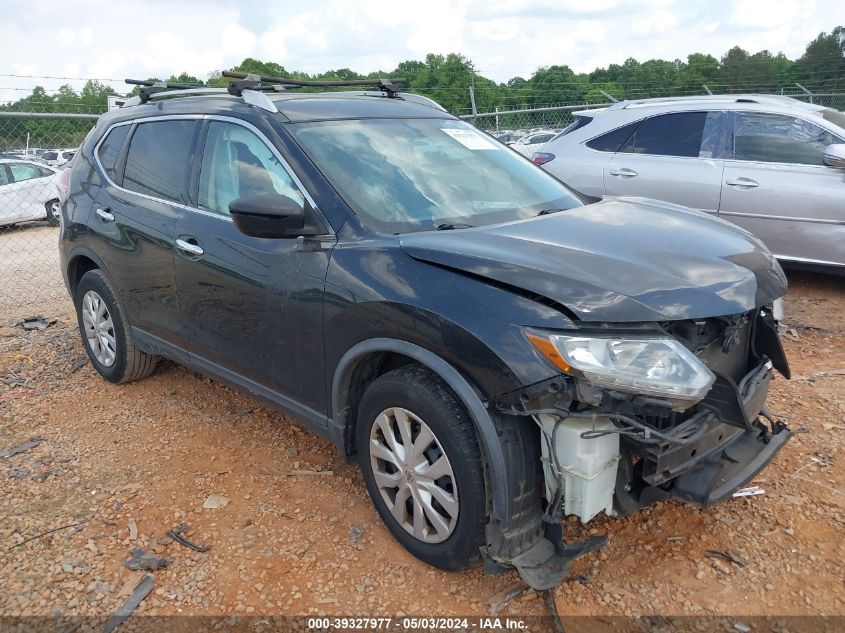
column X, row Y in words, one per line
column 652, row 411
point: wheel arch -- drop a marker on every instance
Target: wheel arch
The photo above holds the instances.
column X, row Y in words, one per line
column 368, row 359
column 80, row 262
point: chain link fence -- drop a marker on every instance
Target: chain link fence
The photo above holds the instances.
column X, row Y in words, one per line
column 511, row 124
column 34, row 148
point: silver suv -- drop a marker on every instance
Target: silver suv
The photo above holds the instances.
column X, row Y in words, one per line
column 771, row 164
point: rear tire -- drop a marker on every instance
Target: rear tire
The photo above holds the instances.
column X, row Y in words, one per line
column 105, row 332
column 54, row 211
column 427, row 480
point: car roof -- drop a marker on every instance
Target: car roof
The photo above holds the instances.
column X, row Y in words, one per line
column 292, row 106
column 773, row 103
column 25, row 160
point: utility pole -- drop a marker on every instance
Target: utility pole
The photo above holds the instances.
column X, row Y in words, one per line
column 472, row 100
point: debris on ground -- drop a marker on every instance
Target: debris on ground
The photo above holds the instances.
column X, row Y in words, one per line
column 141, row 590
column 215, row 502
column 47, row 533
column 319, row 473
column 500, row 600
column 751, row 491
column 355, row 533
column 36, row 323
column 142, row 559
column 21, row 448
column 176, row 535
column 736, row 560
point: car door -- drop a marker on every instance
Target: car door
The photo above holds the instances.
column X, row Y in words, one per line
column 26, row 194
column 676, row 157
column 778, row 187
column 136, row 216
column 252, row 308
column 9, row 208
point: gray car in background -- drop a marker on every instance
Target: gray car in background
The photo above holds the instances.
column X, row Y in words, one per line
column 770, row 164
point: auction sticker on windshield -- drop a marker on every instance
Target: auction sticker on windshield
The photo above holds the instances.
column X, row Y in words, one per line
column 469, row 138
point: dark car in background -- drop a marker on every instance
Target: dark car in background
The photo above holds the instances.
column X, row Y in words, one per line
column 492, row 351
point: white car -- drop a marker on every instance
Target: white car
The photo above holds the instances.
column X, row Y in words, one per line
column 57, row 157
column 27, row 192
column 533, row 142
column 771, row 164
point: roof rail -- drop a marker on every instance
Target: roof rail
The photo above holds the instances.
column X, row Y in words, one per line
column 730, row 98
column 250, row 81
column 165, row 89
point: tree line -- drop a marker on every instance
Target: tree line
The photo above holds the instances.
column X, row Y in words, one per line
column 447, row 78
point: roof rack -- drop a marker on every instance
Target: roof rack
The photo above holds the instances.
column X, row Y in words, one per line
column 249, row 81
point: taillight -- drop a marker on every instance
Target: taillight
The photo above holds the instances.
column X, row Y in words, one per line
column 541, row 158
column 63, row 184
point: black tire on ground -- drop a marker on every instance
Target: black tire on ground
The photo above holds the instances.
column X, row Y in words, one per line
column 420, row 391
column 52, row 211
column 130, row 363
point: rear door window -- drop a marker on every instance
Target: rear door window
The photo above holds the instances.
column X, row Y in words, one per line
column 612, row 141
column 110, row 150
column 777, row 138
column 159, row 159
column 675, row 134
column 24, row 171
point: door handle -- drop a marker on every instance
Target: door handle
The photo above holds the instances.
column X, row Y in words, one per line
column 191, row 248
column 623, row 172
column 742, row 183
column 105, row 215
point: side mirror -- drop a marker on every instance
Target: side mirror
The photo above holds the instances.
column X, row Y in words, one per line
column 267, row 215
column 834, row 155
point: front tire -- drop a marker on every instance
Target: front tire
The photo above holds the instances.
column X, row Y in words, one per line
column 105, row 332
column 422, row 465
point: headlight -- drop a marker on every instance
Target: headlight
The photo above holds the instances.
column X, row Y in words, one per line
column 658, row 366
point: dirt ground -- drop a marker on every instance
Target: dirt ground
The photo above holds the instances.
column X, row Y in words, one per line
column 121, row 465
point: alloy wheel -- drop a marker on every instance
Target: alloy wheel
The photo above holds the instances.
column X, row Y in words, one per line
column 99, row 328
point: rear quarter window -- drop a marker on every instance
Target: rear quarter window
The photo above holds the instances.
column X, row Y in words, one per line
column 612, row 141
column 109, row 150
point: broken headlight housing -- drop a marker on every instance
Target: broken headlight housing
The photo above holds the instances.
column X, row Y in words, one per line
column 657, row 366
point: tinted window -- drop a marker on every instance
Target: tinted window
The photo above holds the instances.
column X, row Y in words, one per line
column 110, row 149
column 578, row 123
column 612, row 141
column 24, row 171
column 159, row 159
column 542, row 138
column 677, row 134
column 776, row 138
column 237, row 163
column 50, row 155
column 4, row 178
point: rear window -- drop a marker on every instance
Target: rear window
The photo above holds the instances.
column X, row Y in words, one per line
column 577, row 124
column 110, row 149
column 834, row 116
column 676, row 134
column 612, row 141
column 159, row 159
column 50, row 155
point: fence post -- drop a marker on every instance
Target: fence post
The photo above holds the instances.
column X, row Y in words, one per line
column 472, row 99
column 497, row 118
column 707, row 89
column 806, row 92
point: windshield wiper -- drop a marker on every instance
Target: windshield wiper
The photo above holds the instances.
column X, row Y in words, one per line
column 449, row 227
column 550, row 211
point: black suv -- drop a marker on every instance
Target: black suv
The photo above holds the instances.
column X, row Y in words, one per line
column 495, row 352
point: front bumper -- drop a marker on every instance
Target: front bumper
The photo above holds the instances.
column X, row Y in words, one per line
column 719, row 474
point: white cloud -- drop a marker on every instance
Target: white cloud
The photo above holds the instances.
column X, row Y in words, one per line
column 504, row 38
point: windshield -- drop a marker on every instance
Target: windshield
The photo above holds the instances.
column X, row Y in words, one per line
column 404, row 175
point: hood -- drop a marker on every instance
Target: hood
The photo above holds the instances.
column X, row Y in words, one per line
column 618, row 260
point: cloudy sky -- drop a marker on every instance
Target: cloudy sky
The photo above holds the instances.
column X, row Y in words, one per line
column 504, row 38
